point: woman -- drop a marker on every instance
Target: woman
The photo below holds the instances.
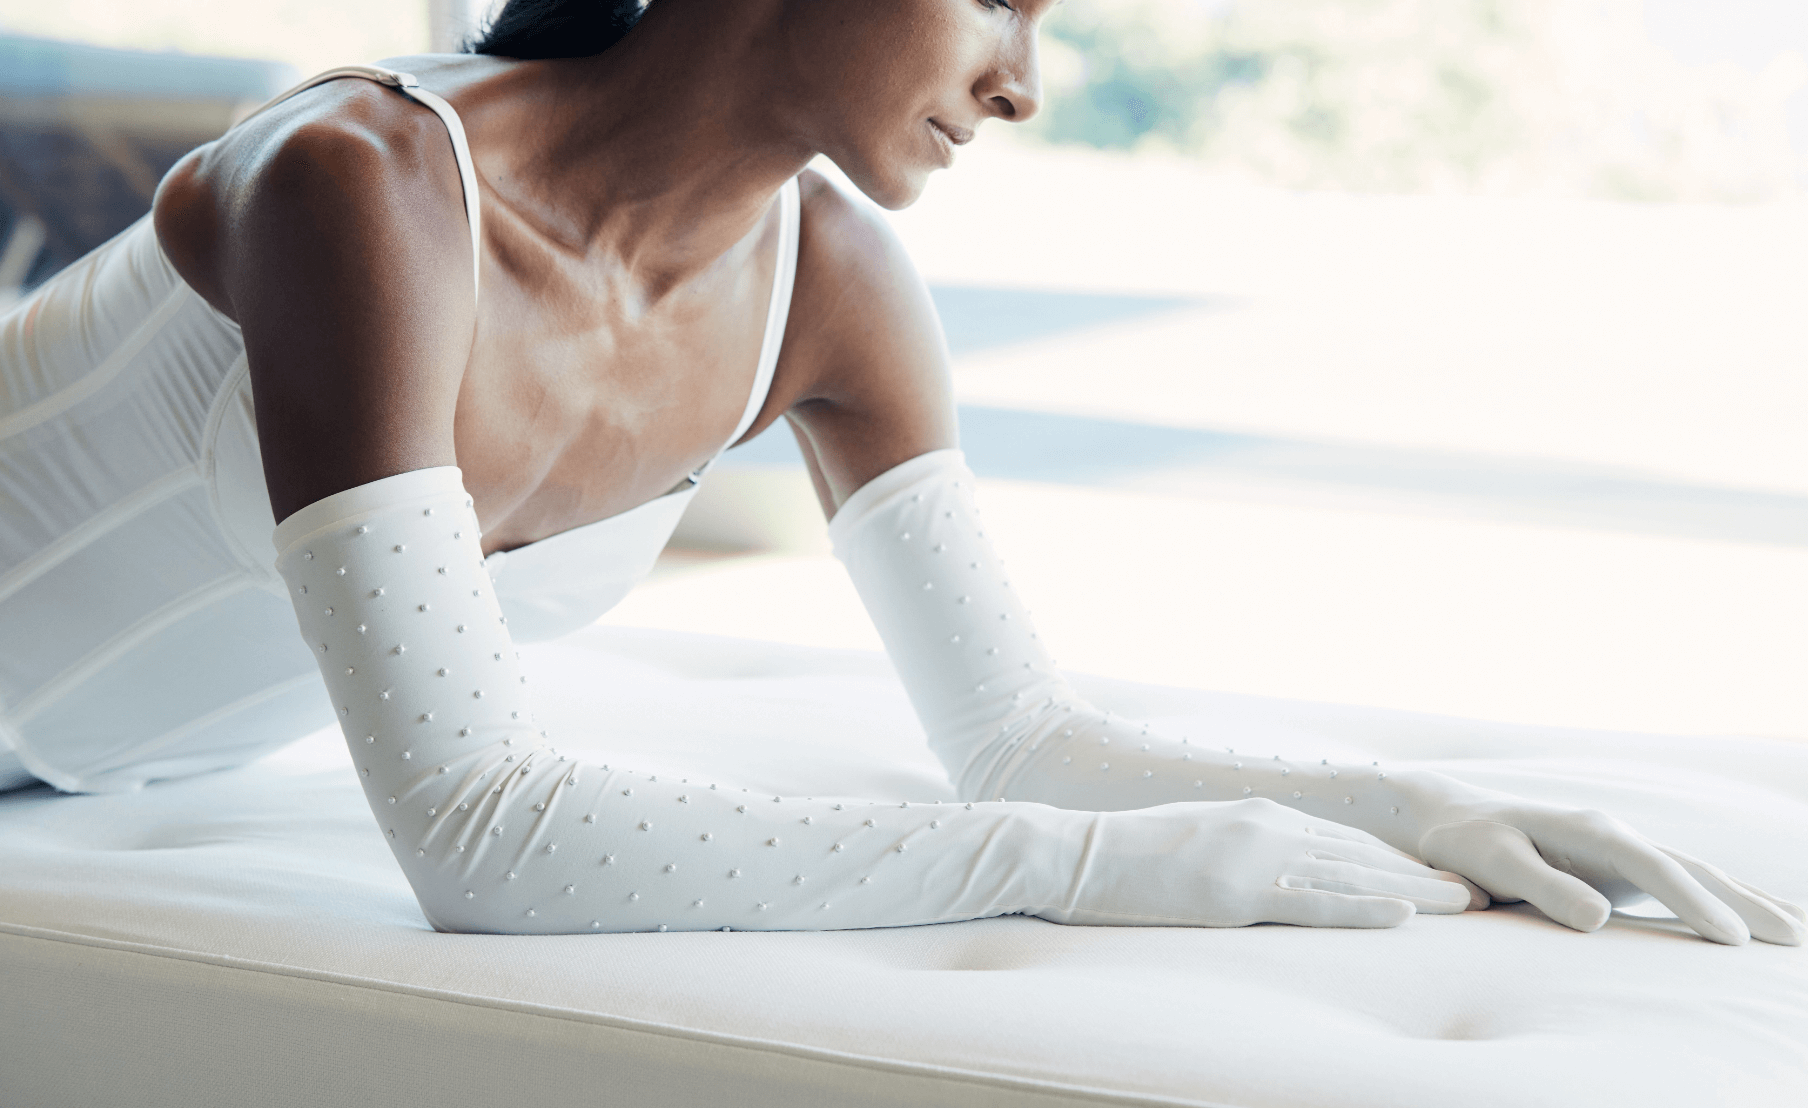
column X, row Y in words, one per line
column 293, row 335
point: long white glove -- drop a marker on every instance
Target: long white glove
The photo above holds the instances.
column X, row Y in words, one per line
column 1005, row 724
column 498, row 832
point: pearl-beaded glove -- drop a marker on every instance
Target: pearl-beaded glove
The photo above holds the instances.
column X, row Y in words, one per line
column 1248, row 861
column 1005, row 724
column 498, row 832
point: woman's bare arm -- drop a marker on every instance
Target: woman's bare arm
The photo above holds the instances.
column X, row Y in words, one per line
column 865, row 367
column 338, row 242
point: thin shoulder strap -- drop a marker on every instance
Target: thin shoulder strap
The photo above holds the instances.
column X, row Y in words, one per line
column 778, row 309
column 461, row 150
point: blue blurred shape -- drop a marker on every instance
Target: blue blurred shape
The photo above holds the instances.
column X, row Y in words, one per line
column 1182, row 461
column 86, row 133
column 977, row 318
column 37, row 67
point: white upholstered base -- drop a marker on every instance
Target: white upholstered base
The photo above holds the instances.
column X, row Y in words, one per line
column 245, row 938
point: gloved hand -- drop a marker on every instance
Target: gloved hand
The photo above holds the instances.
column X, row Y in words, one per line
column 1577, row 865
column 1243, row 862
column 1005, row 724
column 498, row 832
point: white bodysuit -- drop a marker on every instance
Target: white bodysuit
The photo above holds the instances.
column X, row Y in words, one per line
column 144, row 632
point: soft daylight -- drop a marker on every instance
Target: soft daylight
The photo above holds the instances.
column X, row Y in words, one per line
column 902, row 552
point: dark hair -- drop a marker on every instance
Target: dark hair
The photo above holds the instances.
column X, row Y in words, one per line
column 557, row 28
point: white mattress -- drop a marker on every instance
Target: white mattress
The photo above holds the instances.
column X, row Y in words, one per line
column 245, row 938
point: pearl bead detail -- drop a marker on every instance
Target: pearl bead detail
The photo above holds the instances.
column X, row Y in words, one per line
column 1022, row 727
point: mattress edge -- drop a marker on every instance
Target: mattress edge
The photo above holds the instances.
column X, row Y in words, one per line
column 1070, row 1092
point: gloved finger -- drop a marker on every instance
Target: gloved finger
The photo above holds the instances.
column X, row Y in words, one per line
column 1384, row 857
column 1778, row 902
column 1502, row 860
column 1305, row 907
column 1788, row 907
column 1661, row 876
column 1769, row 919
column 1427, row 894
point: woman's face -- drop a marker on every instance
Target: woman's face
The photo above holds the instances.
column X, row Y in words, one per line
column 889, row 88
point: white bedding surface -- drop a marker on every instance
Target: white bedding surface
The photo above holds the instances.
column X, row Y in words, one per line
column 245, row 938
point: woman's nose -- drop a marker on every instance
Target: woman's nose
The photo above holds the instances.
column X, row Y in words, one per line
column 1012, row 90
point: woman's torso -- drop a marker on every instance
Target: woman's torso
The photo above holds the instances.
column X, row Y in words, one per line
column 143, row 631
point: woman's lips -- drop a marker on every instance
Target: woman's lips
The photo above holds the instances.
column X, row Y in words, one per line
column 958, row 135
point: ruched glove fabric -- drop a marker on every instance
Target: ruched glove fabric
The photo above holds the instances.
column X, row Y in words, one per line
column 1005, row 724
column 499, row 832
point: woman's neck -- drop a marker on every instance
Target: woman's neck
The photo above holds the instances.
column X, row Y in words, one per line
column 662, row 152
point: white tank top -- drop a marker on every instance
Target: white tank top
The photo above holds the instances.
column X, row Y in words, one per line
column 144, row 632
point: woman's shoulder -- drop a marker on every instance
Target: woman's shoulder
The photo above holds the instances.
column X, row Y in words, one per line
column 863, row 329
column 848, row 257
column 843, row 232
column 344, row 152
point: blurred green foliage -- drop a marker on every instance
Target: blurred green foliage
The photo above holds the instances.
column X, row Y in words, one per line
column 1126, row 96
column 1559, row 96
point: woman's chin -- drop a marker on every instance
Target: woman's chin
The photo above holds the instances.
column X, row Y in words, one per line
column 897, row 188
